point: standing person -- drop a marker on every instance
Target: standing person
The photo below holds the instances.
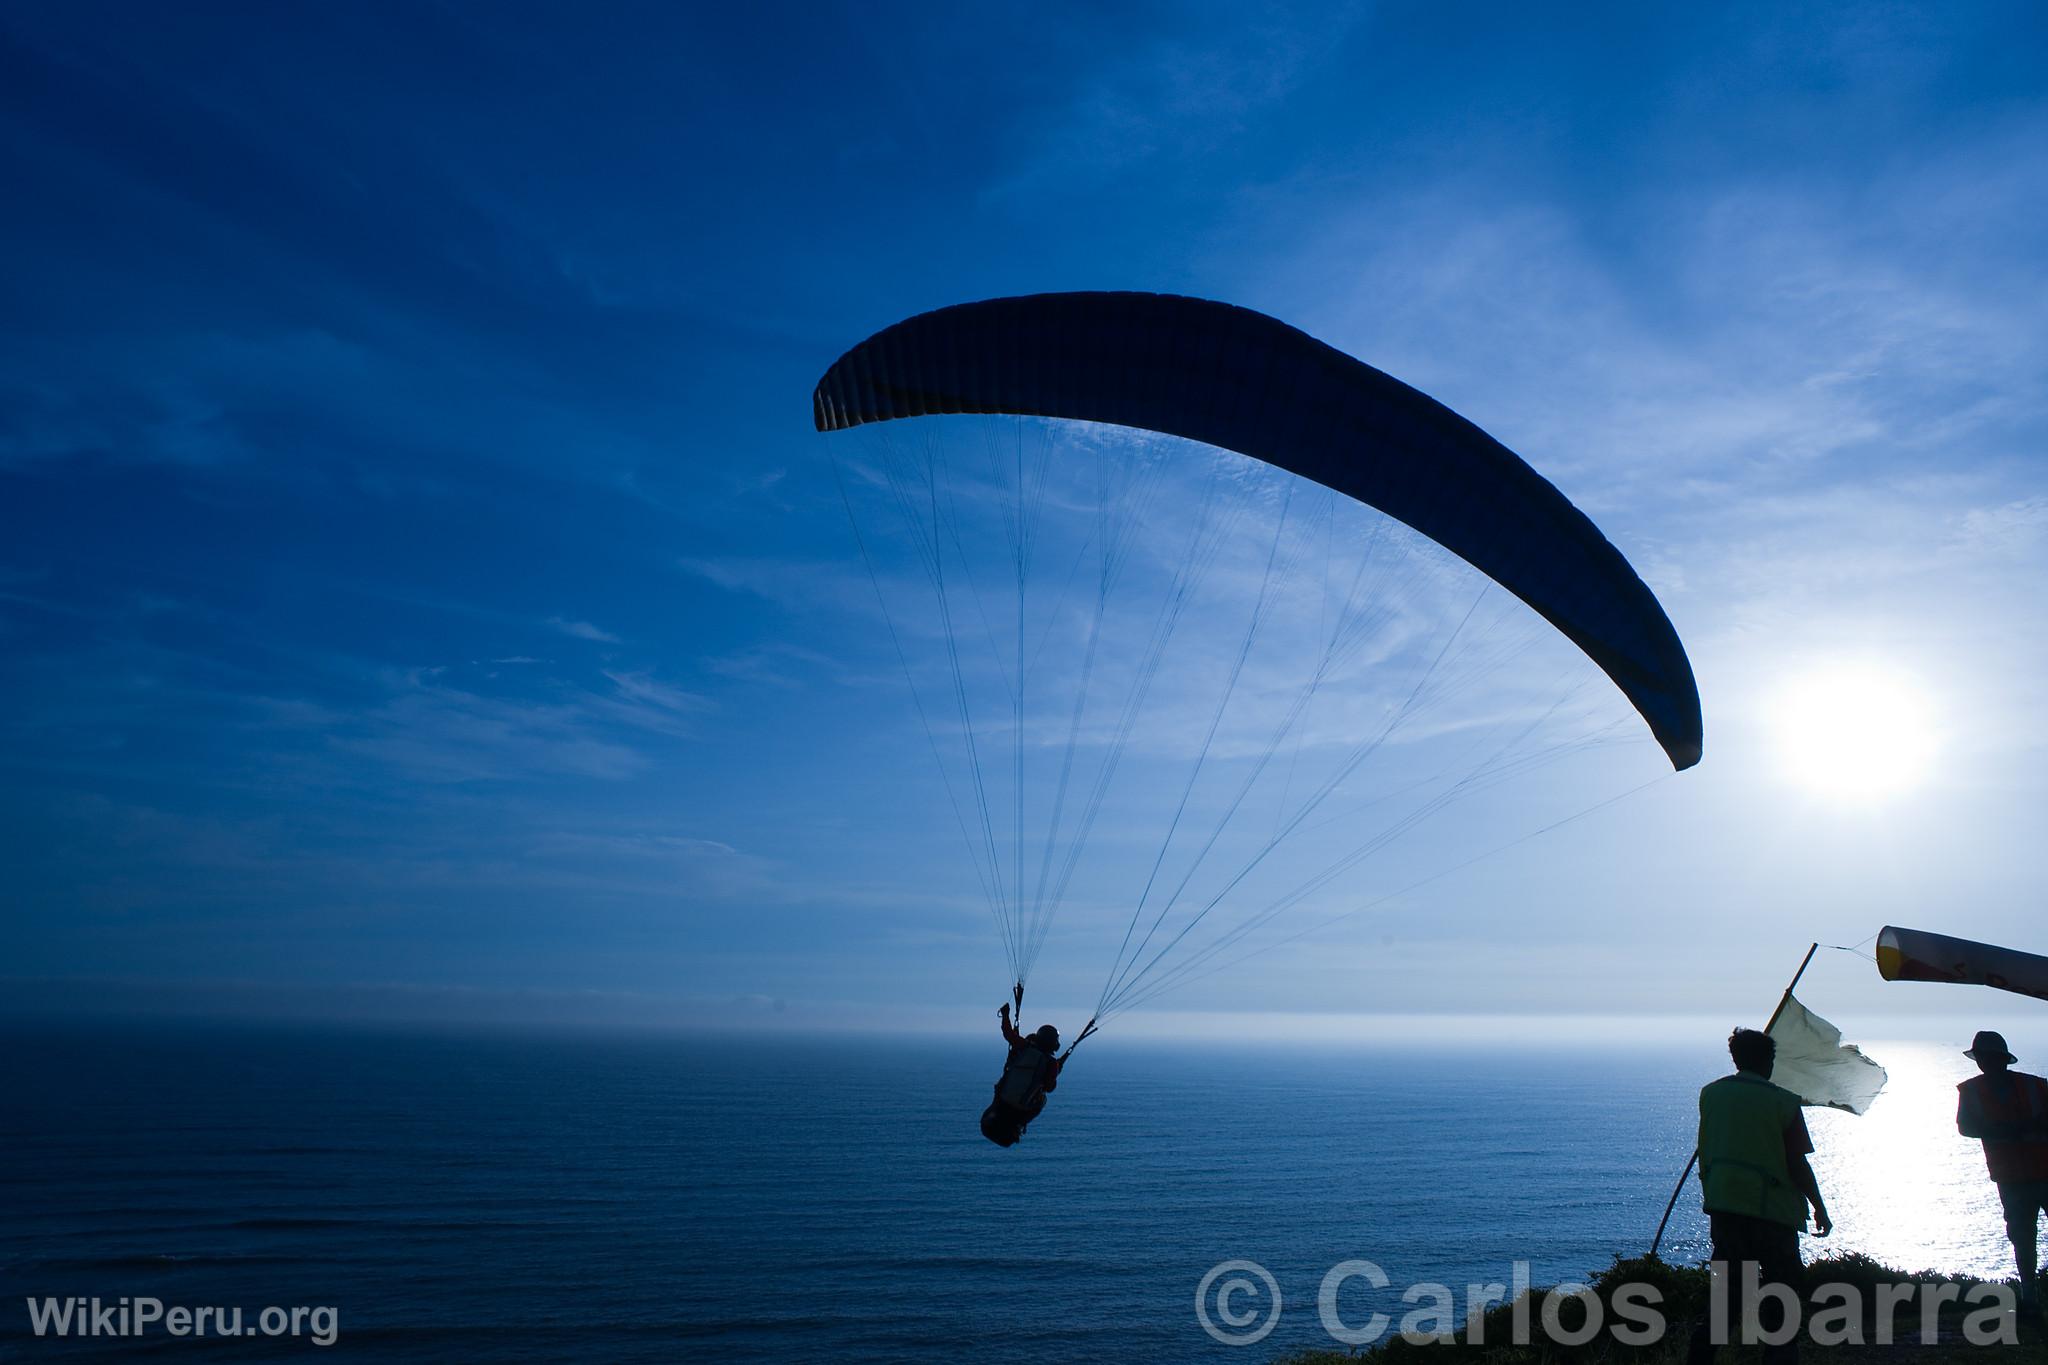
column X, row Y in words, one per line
column 2008, row 1111
column 1030, row 1072
column 1756, row 1183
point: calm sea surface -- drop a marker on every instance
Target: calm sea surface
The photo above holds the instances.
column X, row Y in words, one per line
column 502, row 1199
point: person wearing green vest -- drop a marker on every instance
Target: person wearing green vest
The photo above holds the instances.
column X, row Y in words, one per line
column 1756, row 1182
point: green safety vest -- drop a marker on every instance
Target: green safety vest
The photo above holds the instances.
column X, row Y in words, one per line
column 1743, row 1168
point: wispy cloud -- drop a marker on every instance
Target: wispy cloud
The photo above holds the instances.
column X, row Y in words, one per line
column 1179, row 97
column 583, row 630
column 445, row 734
column 779, row 664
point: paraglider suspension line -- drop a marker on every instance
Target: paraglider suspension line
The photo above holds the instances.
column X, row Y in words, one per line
column 1086, row 1029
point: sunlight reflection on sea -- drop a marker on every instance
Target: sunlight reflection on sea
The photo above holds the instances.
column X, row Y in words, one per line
column 1902, row 1185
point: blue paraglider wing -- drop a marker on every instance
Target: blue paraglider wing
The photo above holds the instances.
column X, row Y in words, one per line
column 1236, row 379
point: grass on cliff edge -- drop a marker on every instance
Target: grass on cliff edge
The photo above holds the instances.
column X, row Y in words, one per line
column 1682, row 1300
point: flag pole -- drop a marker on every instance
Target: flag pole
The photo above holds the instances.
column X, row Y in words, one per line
column 1686, row 1174
column 1786, row 998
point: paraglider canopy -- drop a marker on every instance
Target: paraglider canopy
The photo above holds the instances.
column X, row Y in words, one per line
column 1229, row 377
column 1093, row 470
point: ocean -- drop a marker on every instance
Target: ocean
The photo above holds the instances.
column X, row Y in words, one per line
column 503, row 1198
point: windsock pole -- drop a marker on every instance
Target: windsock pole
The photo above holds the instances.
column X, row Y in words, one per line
column 1685, row 1174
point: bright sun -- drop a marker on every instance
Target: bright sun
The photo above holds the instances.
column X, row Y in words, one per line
column 1856, row 732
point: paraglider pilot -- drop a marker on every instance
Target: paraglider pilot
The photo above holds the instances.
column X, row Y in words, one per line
column 1030, row 1072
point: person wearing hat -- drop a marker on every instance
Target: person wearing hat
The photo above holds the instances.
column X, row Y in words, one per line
column 2007, row 1110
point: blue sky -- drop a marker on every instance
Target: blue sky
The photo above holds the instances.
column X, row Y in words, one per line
column 421, row 592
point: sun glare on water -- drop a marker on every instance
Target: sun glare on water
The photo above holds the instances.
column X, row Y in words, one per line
column 1856, row 732
column 1904, row 1187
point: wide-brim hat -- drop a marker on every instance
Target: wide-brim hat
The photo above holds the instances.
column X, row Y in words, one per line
column 1989, row 1047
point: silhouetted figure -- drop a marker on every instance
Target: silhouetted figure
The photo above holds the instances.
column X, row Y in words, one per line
column 1031, row 1071
column 2008, row 1111
column 1756, row 1184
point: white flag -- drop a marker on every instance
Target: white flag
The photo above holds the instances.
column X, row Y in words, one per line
column 1816, row 1065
